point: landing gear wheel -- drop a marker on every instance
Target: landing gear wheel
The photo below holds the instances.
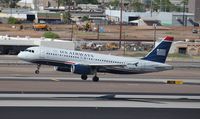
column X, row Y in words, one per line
column 84, row 77
column 95, row 79
column 37, row 71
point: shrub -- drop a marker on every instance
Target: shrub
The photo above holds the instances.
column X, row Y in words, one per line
column 85, row 18
column 51, row 35
column 12, row 20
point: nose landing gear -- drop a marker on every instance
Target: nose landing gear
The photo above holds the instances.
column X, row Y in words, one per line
column 38, row 69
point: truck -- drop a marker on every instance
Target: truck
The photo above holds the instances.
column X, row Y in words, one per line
column 41, row 26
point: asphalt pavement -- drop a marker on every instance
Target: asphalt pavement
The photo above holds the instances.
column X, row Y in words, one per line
column 61, row 95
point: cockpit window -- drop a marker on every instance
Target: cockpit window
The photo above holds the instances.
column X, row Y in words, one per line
column 31, row 51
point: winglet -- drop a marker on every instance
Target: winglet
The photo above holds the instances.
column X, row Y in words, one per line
column 169, row 38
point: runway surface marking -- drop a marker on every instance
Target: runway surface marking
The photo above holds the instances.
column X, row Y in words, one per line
column 103, row 96
column 56, row 79
column 96, row 100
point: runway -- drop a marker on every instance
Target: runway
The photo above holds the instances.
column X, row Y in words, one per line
column 96, row 106
column 53, row 94
column 47, row 71
column 38, row 85
column 97, row 100
column 21, row 78
column 96, row 113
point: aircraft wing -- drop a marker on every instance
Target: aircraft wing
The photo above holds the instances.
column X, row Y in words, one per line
column 94, row 64
column 99, row 64
column 106, row 64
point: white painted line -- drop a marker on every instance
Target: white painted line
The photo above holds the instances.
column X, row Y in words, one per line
column 55, row 79
column 96, row 103
column 97, row 96
column 103, row 79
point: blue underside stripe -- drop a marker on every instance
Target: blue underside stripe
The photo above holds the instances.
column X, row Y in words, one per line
column 100, row 69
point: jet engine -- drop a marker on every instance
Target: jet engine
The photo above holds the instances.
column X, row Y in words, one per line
column 81, row 69
column 62, row 69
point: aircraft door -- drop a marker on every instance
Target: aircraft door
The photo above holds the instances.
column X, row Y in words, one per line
column 42, row 53
column 141, row 65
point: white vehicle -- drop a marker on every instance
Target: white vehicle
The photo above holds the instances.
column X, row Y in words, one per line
column 85, row 63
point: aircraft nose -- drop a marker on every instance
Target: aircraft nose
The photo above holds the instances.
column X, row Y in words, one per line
column 20, row 55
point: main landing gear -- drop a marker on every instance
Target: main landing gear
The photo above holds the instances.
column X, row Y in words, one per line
column 84, row 77
column 95, row 78
column 38, row 69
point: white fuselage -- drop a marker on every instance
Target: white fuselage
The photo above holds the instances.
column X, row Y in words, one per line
column 58, row 57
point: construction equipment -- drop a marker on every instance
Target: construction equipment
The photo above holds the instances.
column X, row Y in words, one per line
column 85, row 26
column 43, row 27
column 112, row 46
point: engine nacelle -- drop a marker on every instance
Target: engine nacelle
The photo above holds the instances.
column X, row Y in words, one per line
column 62, row 69
column 81, row 69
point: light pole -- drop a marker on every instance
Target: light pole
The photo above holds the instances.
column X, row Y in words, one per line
column 184, row 24
column 124, row 43
column 151, row 7
column 120, row 36
column 11, row 2
column 160, row 5
column 155, row 28
column 25, row 4
column 98, row 38
column 72, row 32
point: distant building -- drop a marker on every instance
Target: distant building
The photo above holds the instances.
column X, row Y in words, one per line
column 49, row 17
column 165, row 18
column 13, row 45
column 194, row 7
column 176, row 2
column 107, row 1
column 25, row 4
column 19, row 13
column 41, row 4
column 145, row 1
column 188, row 47
column 104, row 1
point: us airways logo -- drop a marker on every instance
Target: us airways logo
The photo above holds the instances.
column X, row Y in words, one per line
column 161, row 52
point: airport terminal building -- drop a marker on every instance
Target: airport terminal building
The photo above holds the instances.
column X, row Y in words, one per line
column 13, row 45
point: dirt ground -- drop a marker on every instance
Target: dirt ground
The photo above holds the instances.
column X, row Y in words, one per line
column 111, row 32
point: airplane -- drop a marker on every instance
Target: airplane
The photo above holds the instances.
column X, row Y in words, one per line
column 86, row 63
